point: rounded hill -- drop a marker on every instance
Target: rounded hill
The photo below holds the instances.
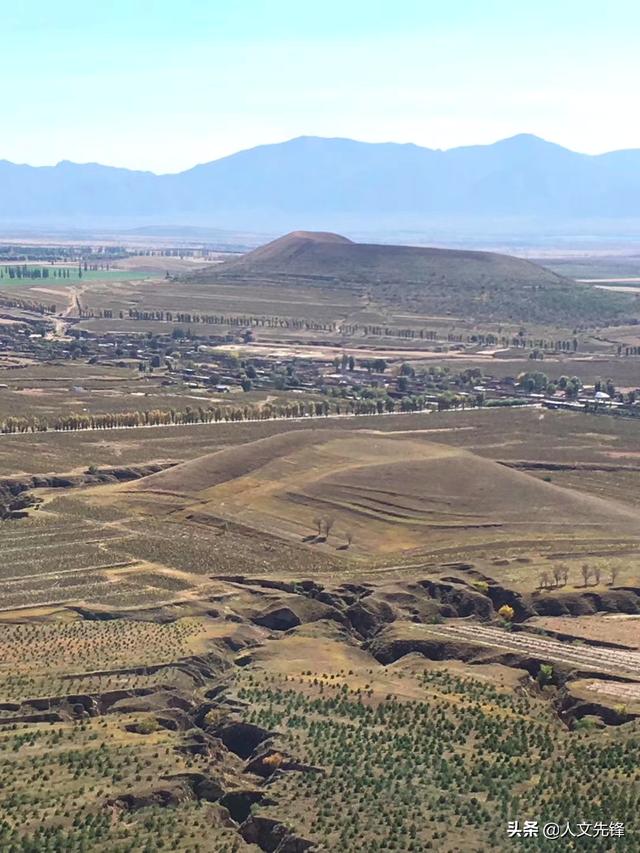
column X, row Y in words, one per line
column 469, row 286
column 286, row 248
column 324, row 254
column 390, row 493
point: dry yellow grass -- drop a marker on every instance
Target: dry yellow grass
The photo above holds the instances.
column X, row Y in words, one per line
column 390, row 493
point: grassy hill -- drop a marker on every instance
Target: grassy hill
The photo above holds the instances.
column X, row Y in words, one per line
column 390, row 494
column 439, row 282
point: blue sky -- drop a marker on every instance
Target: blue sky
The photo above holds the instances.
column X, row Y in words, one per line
column 165, row 84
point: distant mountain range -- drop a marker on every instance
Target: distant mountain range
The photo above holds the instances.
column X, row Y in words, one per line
column 312, row 182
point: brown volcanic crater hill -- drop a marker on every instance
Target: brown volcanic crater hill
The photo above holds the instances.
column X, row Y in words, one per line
column 284, row 249
column 394, row 494
column 470, row 285
column 323, row 254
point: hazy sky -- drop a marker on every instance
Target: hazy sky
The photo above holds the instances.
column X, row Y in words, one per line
column 165, row 84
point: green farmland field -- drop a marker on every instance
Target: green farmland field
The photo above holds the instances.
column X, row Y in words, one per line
column 54, row 281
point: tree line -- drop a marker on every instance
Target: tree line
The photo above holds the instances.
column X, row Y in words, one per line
column 344, row 329
column 188, row 318
column 217, row 414
column 559, row 576
column 24, row 271
column 27, row 305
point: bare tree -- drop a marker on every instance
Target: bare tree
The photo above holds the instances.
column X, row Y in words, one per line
column 596, row 574
column 319, row 524
column 565, row 574
column 614, row 574
column 586, row 573
column 557, row 574
column 348, row 535
column 544, row 580
column 329, row 521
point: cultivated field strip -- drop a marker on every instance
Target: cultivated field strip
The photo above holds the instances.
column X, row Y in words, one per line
column 88, row 585
column 63, row 538
column 626, row 692
column 587, row 657
column 58, row 559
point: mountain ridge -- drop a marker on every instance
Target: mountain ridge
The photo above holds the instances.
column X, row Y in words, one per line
column 517, row 138
column 319, row 183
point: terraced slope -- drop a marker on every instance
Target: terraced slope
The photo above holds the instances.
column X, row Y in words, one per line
column 388, row 493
